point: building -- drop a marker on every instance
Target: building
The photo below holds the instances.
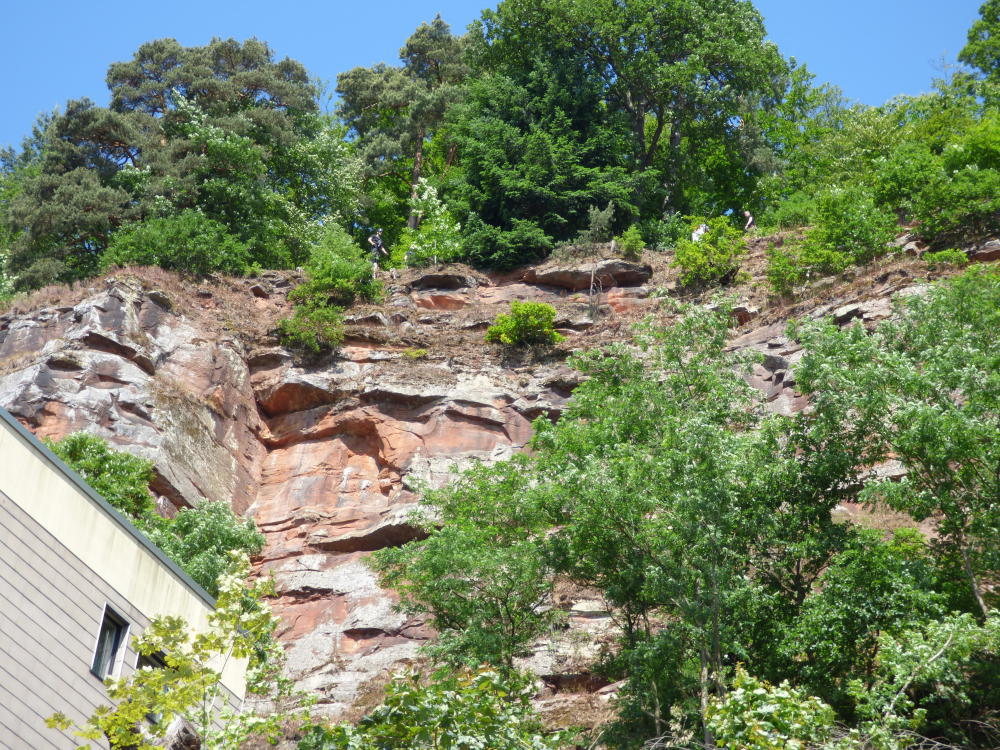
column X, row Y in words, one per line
column 77, row 581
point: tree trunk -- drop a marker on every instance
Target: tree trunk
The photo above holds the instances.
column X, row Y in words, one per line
column 976, row 592
column 418, row 165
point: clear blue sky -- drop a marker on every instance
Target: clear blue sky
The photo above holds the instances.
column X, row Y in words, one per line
column 55, row 50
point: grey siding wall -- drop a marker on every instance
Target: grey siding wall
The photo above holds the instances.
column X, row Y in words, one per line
column 51, row 607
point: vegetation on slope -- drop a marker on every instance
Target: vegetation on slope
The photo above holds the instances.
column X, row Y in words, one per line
column 706, row 524
column 748, row 617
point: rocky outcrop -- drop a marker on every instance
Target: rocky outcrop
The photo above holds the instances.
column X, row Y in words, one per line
column 327, row 454
column 601, row 274
column 121, row 364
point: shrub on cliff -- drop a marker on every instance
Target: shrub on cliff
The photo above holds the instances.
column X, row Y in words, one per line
column 485, row 710
column 714, row 257
column 527, row 323
column 188, row 242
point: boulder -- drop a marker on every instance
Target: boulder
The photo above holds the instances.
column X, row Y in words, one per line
column 603, row 274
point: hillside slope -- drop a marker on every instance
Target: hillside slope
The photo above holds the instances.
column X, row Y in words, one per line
column 326, row 453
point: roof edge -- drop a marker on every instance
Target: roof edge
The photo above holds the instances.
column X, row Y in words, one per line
column 108, row 509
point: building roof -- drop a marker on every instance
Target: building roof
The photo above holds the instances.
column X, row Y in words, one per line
column 49, row 457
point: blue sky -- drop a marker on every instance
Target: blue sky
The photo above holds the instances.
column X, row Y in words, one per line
column 57, row 49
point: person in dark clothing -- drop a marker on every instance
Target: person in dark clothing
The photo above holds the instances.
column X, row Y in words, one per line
column 751, row 224
column 378, row 247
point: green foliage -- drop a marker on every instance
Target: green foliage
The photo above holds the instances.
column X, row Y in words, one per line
column 411, row 353
column 714, row 258
column 631, row 243
column 848, row 229
column 314, row 327
column 870, row 588
column 119, row 477
column 188, row 242
column 924, row 390
column 527, row 323
column 200, row 539
column 982, row 51
column 222, row 129
column 793, row 212
column 784, row 271
column 463, row 711
column 338, row 274
column 757, row 716
column 655, row 489
column 396, row 115
column 437, row 238
column 949, row 257
column 189, row 685
column 481, row 577
column 338, row 271
column 927, row 664
column 963, row 205
column 598, row 225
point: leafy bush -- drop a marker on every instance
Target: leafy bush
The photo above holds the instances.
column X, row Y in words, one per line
column 784, row 271
column 438, row 238
column 485, row 711
column 189, row 242
column 663, row 233
column 849, row 229
column 314, row 326
column 527, row 323
column 120, row 478
column 961, row 206
column 201, row 539
column 412, row 353
column 794, row 211
column 631, row 243
column 950, row 257
column 714, row 257
column 903, row 174
column 338, row 271
column 754, row 715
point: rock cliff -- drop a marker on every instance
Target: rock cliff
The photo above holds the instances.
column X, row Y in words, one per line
column 326, row 453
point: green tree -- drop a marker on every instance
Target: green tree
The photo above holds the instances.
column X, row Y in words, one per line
column 223, row 129
column 675, row 81
column 119, row 477
column 982, row 50
column 925, row 390
column 481, row 573
column 188, row 241
column 870, row 588
column 438, row 237
column 199, row 539
column 483, row 710
column 395, row 112
column 202, row 540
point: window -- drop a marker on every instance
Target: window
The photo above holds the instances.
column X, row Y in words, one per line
column 152, row 661
column 110, row 641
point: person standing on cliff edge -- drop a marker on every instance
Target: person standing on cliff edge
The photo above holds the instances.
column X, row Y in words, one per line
column 750, row 222
column 378, row 248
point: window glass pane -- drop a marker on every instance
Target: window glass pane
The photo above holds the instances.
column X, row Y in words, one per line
column 109, row 641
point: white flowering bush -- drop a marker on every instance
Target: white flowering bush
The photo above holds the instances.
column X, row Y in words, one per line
column 437, row 238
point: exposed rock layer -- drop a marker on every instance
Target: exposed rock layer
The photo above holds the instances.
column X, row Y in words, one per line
column 325, row 454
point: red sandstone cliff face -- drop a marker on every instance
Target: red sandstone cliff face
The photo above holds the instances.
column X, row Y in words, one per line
column 325, row 454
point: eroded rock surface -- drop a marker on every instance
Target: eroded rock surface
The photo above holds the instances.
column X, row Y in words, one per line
column 326, row 454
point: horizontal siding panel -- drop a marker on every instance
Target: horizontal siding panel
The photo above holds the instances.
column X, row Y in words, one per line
column 78, row 582
column 26, row 725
